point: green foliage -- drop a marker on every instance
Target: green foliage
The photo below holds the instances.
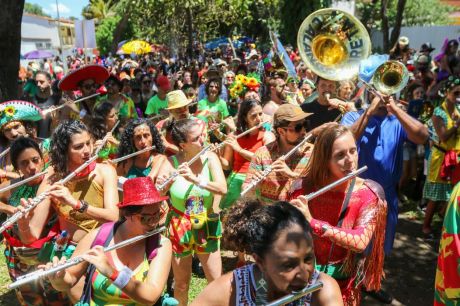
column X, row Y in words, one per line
column 416, row 13
column 35, row 9
column 99, row 9
column 104, row 33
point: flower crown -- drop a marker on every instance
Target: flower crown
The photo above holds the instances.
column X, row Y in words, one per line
column 243, row 84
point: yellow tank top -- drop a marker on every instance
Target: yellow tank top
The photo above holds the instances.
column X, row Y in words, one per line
column 86, row 189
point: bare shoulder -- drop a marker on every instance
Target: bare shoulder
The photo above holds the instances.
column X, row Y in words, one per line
column 105, row 170
column 329, row 294
column 217, row 293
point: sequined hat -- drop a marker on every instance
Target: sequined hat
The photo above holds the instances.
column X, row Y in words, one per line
column 140, row 191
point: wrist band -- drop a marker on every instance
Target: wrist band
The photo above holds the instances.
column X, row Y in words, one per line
column 83, row 206
column 114, row 275
column 123, row 277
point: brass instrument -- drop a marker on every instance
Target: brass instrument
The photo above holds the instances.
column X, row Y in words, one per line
column 332, row 43
column 390, row 77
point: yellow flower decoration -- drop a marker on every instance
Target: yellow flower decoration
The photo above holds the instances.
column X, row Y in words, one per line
column 10, row 111
column 239, row 78
column 238, row 88
column 252, row 82
column 245, row 80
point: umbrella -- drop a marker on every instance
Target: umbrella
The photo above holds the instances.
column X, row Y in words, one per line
column 136, row 47
column 37, row 54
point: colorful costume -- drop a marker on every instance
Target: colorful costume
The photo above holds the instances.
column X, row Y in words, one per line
column 437, row 187
column 275, row 187
column 236, row 179
column 191, row 227
column 245, row 285
column 447, row 284
column 126, row 109
column 364, row 219
column 22, row 259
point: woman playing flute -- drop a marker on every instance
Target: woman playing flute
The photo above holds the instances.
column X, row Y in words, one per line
column 103, row 121
column 87, row 201
column 193, row 222
column 133, row 275
column 23, row 258
column 279, row 238
column 140, row 134
column 345, row 220
column 237, row 153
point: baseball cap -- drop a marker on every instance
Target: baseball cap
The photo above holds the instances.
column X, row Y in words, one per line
column 290, row 112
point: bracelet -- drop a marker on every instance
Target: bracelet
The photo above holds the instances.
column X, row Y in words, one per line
column 123, row 277
column 114, row 275
column 77, row 206
column 83, row 207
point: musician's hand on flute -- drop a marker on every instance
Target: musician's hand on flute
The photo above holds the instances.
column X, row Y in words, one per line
column 62, row 194
column 280, row 167
column 185, row 171
column 301, row 203
column 97, row 257
column 232, row 142
column 56, row 279
column 161, row 179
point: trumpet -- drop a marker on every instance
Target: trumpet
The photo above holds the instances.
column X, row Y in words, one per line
column 220, row 145
column 38, row 199
column 176, row 174
column 296, row 295
column 269, row 169
column 36, row 275
column 55, row 108
column 22, row 182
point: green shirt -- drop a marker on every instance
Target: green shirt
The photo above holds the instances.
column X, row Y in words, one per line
column 218, row 108
column 154, row 105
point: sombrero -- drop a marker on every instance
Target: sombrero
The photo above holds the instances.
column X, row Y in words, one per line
column 70, row 82
column 17, row 110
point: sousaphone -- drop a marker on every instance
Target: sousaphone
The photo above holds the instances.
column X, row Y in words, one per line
column 332, row 43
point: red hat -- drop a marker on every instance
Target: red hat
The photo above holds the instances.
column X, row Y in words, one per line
column 70, row 82
column 163, row 83
column 140, row 191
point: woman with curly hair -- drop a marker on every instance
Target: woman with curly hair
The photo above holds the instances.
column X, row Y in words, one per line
column 84, row 203
column 102, row 122
column 280, row 240
column 138, row 135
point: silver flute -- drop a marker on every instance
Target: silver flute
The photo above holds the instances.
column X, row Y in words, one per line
column 22, row 182
column 104, row 140
column 36, row 275
column 38, row 199
column 296, row 295
column 176, row 174
column 220, row 145
column 55, row 108
column 6, row 151
column 269, row 168
column 120, row 159
column 335, row 184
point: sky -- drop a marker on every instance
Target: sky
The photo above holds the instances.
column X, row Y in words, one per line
column 67, row 8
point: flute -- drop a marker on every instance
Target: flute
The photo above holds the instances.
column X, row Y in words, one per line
column 269, row 169
column 335, row 184
column 120, row 159
column 296, row 295
column 38, row 199
column 55, row 108
column 36, row 275
column 6, row 151
column 175, row 173
column 22, row 182
column 104, row 140
column 220, row 145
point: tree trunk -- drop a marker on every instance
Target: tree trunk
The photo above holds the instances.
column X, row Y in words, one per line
column 398, row 22
column 384, row 17
column 189, row 32
column 119, row 30
column 10, row 47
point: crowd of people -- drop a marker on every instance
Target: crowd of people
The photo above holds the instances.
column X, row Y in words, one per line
column 150, row 141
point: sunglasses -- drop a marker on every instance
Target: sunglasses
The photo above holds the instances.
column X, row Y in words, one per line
column 153, row 218
column 297, row 128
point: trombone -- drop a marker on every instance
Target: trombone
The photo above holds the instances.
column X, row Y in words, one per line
column 36, row 275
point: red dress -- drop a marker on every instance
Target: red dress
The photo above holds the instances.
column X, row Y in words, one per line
column 364, row 222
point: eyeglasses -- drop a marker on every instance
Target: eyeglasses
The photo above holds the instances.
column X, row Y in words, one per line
column 154, row 218
column 297, row 128
column 90, row 86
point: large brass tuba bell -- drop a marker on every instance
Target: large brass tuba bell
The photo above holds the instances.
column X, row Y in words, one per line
column 332, row 43
column 390, row 77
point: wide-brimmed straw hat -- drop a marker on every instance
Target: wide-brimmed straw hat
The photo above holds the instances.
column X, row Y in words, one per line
column 176, row 99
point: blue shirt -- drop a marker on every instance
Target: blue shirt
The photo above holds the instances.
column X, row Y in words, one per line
column 380, row 148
